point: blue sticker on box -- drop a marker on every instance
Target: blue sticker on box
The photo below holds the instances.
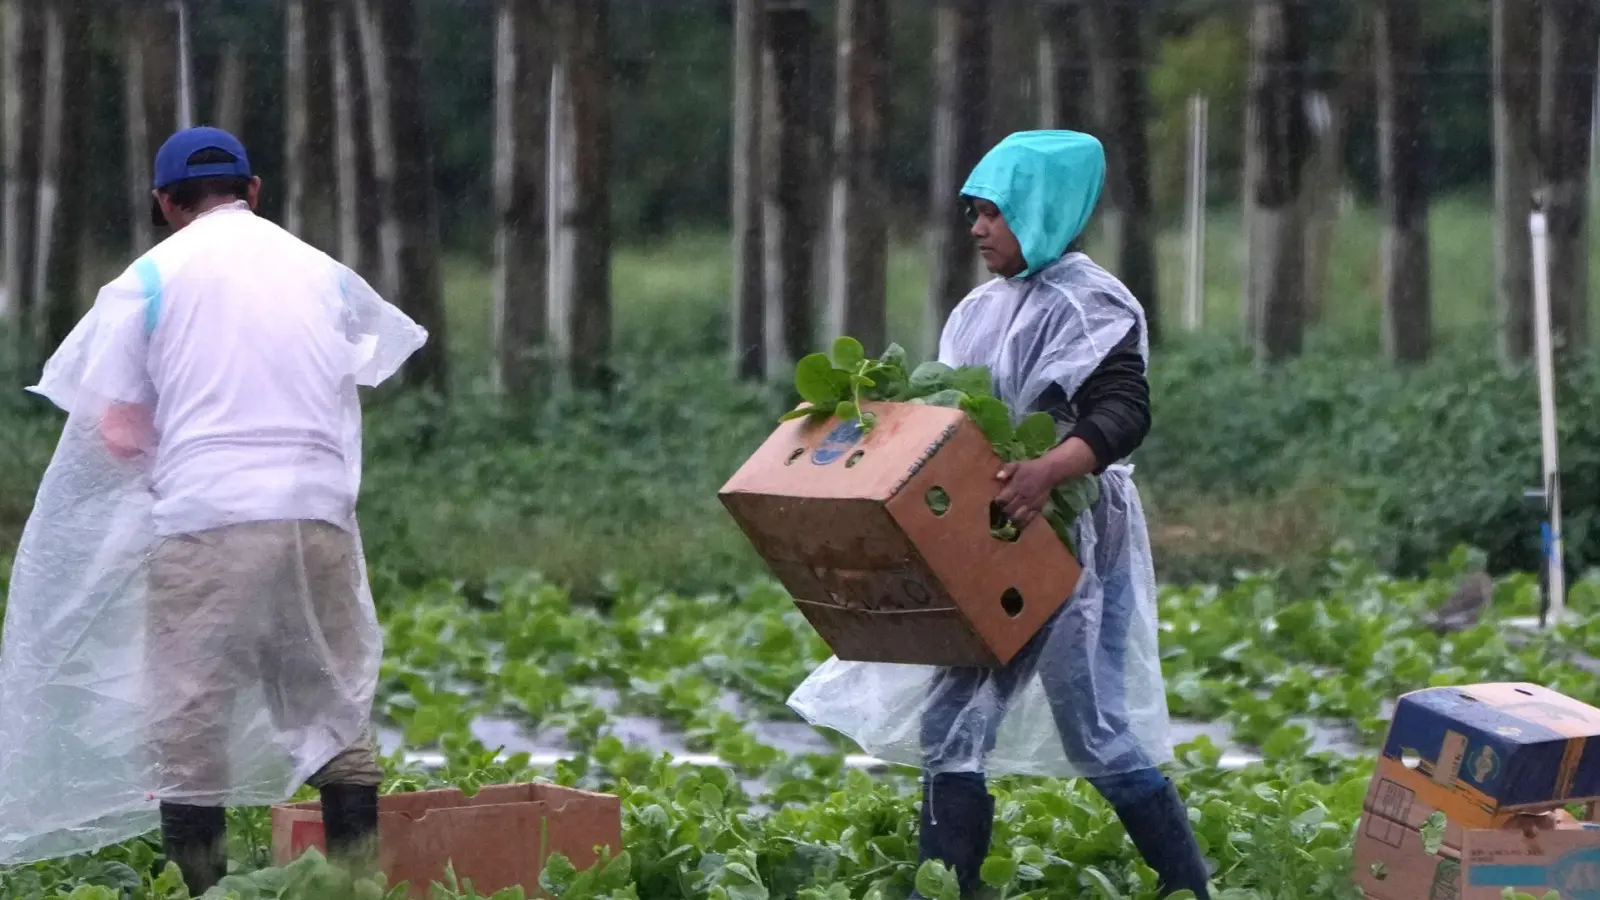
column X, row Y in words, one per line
column 838, row 442
column 1575, row 875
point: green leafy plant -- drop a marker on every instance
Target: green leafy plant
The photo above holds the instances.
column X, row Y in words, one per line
column 840, row 383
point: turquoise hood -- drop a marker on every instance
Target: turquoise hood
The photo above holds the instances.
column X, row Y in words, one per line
column 1046, row 184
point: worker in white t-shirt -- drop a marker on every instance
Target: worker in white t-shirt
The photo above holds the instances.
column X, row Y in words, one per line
column 212, row 393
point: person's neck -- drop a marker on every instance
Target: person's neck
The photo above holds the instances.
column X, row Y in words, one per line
column 213, row 204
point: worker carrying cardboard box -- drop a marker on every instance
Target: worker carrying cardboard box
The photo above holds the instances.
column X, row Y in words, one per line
column 1060, row 334
column 189, row 625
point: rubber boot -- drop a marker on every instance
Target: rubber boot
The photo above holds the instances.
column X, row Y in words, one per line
column 196, row 839
column 957, row 824
column 1159, row 827
column 350, row 823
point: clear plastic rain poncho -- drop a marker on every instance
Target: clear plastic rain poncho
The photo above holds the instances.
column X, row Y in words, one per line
column 208, row 667
column 1086, row 697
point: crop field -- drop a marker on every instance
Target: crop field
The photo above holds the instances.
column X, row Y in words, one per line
column 564, row 599
column 1277, row 699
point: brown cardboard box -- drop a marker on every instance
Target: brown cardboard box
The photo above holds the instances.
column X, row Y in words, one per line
column 497, row 839
column 849, row 523
column 1391, row 862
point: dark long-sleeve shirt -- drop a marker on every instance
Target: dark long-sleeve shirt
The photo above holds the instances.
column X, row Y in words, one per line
column 1111, row 409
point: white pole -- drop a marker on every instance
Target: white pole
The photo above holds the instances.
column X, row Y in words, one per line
column 1194, row 289
column 1556, row 575
column 185, row 70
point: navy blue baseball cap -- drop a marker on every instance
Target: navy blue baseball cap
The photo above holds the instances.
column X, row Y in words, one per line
column 172, row 160
column 173, row 166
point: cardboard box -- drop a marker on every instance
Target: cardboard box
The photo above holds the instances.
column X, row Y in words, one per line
column 1390, row 860
column 856, row 527
column 1392, row 863
column 497, row 839
column 1482, row 752
column 1565, row 859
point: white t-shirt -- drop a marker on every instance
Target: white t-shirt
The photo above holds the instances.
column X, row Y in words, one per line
column 246, row 363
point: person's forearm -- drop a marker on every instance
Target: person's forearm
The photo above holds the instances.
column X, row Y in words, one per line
column 1070, row 459
column 126, row 429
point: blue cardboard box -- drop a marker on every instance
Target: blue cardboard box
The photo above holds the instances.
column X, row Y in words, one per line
column 1481, row 753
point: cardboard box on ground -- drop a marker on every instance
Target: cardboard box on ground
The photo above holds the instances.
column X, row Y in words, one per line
column 884, row 538
column 1468, row 797
column 499, row 838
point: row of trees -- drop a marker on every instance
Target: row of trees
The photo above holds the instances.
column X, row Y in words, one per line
column 1091, row 70
column 808, row 261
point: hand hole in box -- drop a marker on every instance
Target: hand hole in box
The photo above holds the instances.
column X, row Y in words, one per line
column 1011, row 602
column 938, row 500
column 794, row 455
column 1411, row 759
column 1001, row 526
column 854, row 458
column 1523, row 692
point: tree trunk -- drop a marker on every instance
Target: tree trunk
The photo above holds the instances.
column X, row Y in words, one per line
column 522, row 115
column 23, row 85
column 231, row 82
column 150, row 84
column 858, row 214
column 404, row 166
column 1515, row 37
column 73, row 83
column 582, row 35
column 746, row 339
column 359, row 208
column 1325, row 181
column 1402, row 160
column 1321, row 197
column 1566, row 113
column 1065, row 76
column 788, row 227
column 561, row 216
column 1010, row 80
column 961, row 77
column 308, row 210
column 1128, row 211
column 1276, row 147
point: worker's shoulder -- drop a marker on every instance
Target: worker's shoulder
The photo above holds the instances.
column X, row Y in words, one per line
column 1079, row 279
column 241, row 243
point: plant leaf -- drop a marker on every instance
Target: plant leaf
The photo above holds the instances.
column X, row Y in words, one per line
column 950, row 399
column 998, row 871
column 1037, row 434
column 847, row 411
column 973, row 380
column 814, row 379
column 848, row 353
column 931, row 377
column 894, row 355
column 992, row 417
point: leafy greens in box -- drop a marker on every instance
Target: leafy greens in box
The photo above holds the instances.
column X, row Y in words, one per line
column 837, row 385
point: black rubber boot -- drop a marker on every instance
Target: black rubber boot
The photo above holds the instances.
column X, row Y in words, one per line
column 1160, row 829
column 957, row 824
column 196, row 838
column 350, row 822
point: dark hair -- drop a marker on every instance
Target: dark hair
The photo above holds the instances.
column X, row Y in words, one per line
column 192, row 192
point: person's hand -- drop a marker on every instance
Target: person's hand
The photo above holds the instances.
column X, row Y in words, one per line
column 1027, row 489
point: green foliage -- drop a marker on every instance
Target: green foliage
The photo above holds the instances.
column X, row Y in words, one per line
column 839, row 384
column 1430, row 458
column 1256, row 655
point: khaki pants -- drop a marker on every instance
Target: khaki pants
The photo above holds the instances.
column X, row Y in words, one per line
column 267, row 610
